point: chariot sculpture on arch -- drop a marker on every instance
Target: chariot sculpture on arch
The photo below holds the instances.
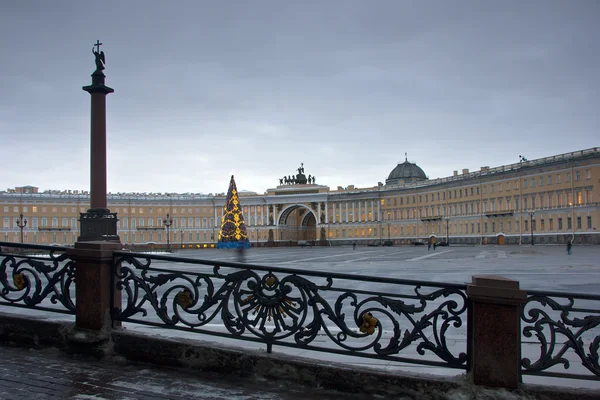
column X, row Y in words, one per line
column 298, row 178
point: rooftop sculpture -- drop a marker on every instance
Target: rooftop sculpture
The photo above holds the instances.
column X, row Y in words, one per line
column 298, row 179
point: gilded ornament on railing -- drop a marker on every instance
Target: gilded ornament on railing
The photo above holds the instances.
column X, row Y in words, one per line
column 184, row 299
column 19, row 281
column 369, row 323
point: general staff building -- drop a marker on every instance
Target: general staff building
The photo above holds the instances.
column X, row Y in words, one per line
column 550, row 200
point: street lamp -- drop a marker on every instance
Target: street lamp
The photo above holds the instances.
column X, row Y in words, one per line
column 389, row 238
column 531, row 225
column 21, row 224
column 447, row 241
column 181, row 236
column 168, row 221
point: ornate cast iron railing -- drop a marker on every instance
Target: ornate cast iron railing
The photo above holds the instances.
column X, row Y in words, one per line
column 566, row 327
column 365, row 316
column 36, row 276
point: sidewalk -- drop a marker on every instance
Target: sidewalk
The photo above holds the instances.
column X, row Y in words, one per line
column 52, row 374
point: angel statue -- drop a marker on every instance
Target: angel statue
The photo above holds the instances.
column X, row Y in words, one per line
column 100, row 60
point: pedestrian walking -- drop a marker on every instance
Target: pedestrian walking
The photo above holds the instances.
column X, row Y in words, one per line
column 569, row 245
column 428, row 245
column 241, row 255
column 353, row 245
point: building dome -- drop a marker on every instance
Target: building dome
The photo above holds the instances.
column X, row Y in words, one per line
column 405, row 173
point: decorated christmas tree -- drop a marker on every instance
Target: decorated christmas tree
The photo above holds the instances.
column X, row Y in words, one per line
column 233, row 233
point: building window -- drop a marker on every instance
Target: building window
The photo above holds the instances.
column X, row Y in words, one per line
column 557, row 178
column 5, row 209
column 524, row 183
column 587, row 174
column 541, row 181
column 578, row 222
column 577, row 175
column 551, row 223
column 509, row 227
column 589, row 222
column 569, row 223
column 54, row 222
column 568, row 177
column 34, row 209
column 492, row 188
column 532, row 182
column 549, row 179
column 485, row 227
column 526, row 226
column 578, row 194
column 542, row 225
column 560, row 225
column 533, row 225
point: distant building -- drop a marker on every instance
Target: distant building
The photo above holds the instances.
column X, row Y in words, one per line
column 556, row 198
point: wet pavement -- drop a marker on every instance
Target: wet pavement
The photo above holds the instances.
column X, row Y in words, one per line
column 41, row 374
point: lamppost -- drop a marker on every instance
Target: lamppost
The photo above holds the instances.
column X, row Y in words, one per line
column 168, row 221
column 181, row 236
column 447, row 241
column 21, row 224
column 389, row 237
column 531, row 225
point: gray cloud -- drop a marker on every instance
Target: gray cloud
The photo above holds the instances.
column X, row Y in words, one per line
column 203, row 89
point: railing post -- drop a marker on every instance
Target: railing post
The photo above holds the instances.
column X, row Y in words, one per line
column 93, row 292
column 495, row 332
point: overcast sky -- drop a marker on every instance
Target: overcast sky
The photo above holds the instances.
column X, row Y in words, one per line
column 206, row 89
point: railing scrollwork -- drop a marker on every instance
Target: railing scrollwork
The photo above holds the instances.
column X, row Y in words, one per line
column 293, row 308
column 563, row 324
column 36, row 276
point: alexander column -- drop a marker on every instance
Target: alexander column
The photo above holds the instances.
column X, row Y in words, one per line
column 93, row 251
column 98, row 223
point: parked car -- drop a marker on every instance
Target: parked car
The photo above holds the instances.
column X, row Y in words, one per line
column 442, row 244
column 304, row 243
column 418, row 242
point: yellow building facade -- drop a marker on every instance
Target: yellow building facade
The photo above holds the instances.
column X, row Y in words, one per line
column 552, row 199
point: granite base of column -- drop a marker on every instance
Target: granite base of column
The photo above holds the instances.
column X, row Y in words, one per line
column 496, row 336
